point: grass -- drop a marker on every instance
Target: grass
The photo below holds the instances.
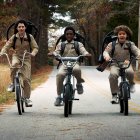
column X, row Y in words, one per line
column 40, row 76
column 37, row 78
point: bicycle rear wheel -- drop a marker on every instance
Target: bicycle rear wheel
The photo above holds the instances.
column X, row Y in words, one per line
column 125, row 93
column 18, row 97
column 67, row 100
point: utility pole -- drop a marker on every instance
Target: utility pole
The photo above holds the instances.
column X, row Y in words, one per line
column 139, row 28
column 137, row 62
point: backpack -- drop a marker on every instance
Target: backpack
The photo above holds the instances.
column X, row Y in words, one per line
column 110, row 37
column 30, row 29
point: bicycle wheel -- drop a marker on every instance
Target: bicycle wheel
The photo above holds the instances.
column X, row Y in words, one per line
column 121, row 106
column 18, row 97
column 67, row 98
column 70, row 107
column 22, row 100
column 125, row 93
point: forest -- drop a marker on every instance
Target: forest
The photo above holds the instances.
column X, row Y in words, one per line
column 91, row 18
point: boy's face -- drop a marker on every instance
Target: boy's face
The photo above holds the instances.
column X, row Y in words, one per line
column 122, row 36
column 69, row 35
column 21, row 28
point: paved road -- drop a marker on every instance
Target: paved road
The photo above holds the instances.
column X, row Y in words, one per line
column 93, row 118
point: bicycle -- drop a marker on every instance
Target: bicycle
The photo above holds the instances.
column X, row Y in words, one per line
column 17, row 84
column 124, row 87
column 69, row 86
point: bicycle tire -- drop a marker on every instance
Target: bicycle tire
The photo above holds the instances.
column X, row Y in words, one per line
column 125, row 90
column 70, row 107
column 22, row 100
column 18, row 96
column 67, row 92
column 121, row 106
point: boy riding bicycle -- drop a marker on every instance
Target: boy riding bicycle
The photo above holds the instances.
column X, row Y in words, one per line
column 21, row 45
column 123, row 51
column 69, row 52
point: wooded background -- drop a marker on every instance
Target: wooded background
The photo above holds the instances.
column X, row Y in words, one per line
column 92, row 18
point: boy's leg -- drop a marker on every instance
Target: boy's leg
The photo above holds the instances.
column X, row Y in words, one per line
column 130, row 77
column 59, row 83
column 77, row 74
column 113, row 80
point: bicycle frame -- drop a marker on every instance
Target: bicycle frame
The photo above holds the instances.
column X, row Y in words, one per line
column 69, row 86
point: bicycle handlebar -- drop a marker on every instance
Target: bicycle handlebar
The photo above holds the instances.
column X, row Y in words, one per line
column 71, row 59
column 7, row 56
column 121, row 63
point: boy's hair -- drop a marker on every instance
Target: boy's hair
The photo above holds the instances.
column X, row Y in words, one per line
column 125, row 29
column 69, row 28
column 20, row 21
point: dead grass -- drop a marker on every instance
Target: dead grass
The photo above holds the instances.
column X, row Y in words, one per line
column 40, row 76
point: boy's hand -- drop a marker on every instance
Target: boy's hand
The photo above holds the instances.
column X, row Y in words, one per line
column 126, row 62
column 50, row 54
column 88, row 55
column 107, row 58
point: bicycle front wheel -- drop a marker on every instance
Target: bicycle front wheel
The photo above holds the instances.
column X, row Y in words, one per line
column 125, row 93
column 67, row 99
column 18, row 97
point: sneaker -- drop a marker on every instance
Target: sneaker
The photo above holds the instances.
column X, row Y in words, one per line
column 11, row 88
column 79, row 88
column 28, row 103
column 58, row 101
column 132, row 88
column 114, row 99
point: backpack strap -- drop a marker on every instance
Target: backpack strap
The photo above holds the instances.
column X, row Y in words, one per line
column 113, row 48
column 29, row 40
column 129, row 47
column 63, row 45
column 14, row 41
column 76, row 46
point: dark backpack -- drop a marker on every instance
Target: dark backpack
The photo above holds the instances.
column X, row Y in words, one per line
column 110, row 37
column 30, row 29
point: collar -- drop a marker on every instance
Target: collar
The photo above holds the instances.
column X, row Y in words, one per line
column 17, row 35
column 72, row 42
column 117, row 42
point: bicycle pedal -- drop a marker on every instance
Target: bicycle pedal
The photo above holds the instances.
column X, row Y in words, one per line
column 75, row 99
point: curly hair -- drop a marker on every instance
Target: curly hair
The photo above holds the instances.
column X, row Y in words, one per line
column 125, row 29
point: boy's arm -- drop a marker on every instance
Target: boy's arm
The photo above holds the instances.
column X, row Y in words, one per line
column 135, row 50
column 107, row 51
column 34, row 46
column 57, row 50
column 82, row 49
column 8, row 45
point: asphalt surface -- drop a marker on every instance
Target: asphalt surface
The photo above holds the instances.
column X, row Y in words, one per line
column 93, row 118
